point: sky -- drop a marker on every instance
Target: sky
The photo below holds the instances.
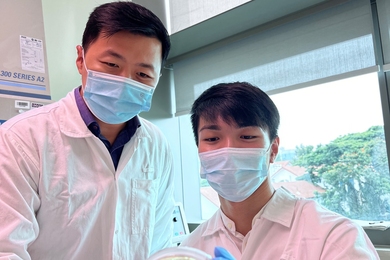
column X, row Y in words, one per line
column 319, row 114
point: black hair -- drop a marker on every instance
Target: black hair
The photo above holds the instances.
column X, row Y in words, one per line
column 111, row 18
column 238, row 103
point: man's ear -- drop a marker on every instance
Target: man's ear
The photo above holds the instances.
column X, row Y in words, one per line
column 80, row 59
column 274, row 149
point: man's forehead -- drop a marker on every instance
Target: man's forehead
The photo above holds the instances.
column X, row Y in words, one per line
column 216, row 122
column 216, row 119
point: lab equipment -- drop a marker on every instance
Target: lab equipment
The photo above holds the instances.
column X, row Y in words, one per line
column 180, row 225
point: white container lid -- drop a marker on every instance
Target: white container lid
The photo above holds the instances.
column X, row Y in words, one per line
column 180, row 253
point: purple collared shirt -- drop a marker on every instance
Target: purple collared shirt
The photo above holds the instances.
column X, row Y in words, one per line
column 123, row 137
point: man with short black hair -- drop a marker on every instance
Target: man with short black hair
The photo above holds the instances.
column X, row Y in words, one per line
column 236, row 130
column 86, row 177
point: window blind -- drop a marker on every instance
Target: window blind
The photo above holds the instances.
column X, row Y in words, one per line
column 330, row 42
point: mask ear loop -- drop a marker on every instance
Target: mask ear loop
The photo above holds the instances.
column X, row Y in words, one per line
column 83, row 86
column 84, row 63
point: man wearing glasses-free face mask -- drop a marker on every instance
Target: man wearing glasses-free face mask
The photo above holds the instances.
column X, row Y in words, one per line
column 236, row 130
column 86, row 177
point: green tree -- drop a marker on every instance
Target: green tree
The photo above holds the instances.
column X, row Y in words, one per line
column 353, row 169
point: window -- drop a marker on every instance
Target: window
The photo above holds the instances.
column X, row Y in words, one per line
column 333, row 147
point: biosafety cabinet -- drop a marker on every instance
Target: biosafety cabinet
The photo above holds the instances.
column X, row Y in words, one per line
column 24, row 80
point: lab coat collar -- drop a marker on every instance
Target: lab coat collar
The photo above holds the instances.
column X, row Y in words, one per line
column 70, row 120
column 214, row 224
column 279, row 209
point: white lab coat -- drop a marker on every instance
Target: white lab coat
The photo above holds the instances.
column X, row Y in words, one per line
column 287, row 228
column 61, row 197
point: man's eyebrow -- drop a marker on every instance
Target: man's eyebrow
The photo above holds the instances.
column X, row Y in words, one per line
column 114, row 54
column 145, row 65
column 210, row 127
column 117, row 55
column 248, row 126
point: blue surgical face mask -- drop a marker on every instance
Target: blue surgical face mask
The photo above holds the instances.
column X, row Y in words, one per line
column 235, row 173
column 115, row 99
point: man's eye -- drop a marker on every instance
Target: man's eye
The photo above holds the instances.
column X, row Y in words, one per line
column 143, row 75
column 248, row 136
column 213, row 139
column 113, row 65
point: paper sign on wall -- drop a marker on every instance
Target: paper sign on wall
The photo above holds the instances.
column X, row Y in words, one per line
column 31, row 53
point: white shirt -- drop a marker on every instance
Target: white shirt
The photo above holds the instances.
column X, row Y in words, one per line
column 61, row 197
column 286, row 228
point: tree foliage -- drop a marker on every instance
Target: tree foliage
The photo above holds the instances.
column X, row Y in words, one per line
column 353, row 169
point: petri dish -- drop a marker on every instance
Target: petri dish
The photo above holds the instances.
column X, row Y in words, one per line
column 180, row 253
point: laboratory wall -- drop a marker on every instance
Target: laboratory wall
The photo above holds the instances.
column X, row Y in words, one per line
column 64, row 23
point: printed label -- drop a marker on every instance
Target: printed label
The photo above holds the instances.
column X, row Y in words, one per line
column 22, row 104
